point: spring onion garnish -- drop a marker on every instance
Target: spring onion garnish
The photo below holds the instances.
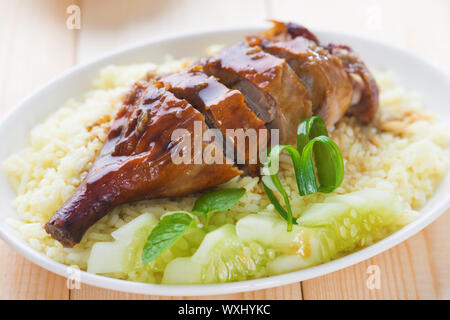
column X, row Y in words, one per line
column 318, row 165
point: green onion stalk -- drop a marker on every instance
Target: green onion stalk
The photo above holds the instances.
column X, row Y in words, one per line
column 318, row 166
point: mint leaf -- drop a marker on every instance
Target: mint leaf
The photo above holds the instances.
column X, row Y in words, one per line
column 169, row 229
column 218, row 200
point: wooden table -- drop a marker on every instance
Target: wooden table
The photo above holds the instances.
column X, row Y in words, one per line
column 36, row 46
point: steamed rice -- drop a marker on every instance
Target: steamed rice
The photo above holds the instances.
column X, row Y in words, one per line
column 402, row 151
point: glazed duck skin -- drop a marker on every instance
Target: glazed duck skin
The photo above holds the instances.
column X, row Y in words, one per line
column 270, row 87
column 329, row 86
column 223, row 109
column 364, row 100
column 136, row 164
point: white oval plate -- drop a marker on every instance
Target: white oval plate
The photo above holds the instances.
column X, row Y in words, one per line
column 411, row 72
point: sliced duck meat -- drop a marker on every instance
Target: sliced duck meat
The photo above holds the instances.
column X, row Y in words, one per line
column 137, row 163
column 223, row 109
column 329, row 86
column 270, row 87
column 364, row 101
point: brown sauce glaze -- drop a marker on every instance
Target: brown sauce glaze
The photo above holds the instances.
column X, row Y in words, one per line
column 136, row 164
column 223, row 108
column 364, row 101
column 270, row 87
column 329, row 86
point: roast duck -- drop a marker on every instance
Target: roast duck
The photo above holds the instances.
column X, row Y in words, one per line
column 272, row 80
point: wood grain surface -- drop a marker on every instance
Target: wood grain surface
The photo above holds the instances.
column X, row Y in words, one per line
column 36, row 46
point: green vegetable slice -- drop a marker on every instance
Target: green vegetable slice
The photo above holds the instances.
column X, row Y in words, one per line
column 169, row 229
column 309, row 129
column 273, row 160
column 318, row 165
column 329, row 163
column 221, row 257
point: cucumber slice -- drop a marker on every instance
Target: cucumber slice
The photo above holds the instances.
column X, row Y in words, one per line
column 271, row 232
column 123, row 254
column 291, row 262
column 357, row 211
column 257, row 246
column 261, row 228
column 354, row 220
column 182, row 270
column 299, row 248
column 370, row 200
column 211, row 241
column 322, row 214
column 186, row 246
column 222, row 257
column 326, row 230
